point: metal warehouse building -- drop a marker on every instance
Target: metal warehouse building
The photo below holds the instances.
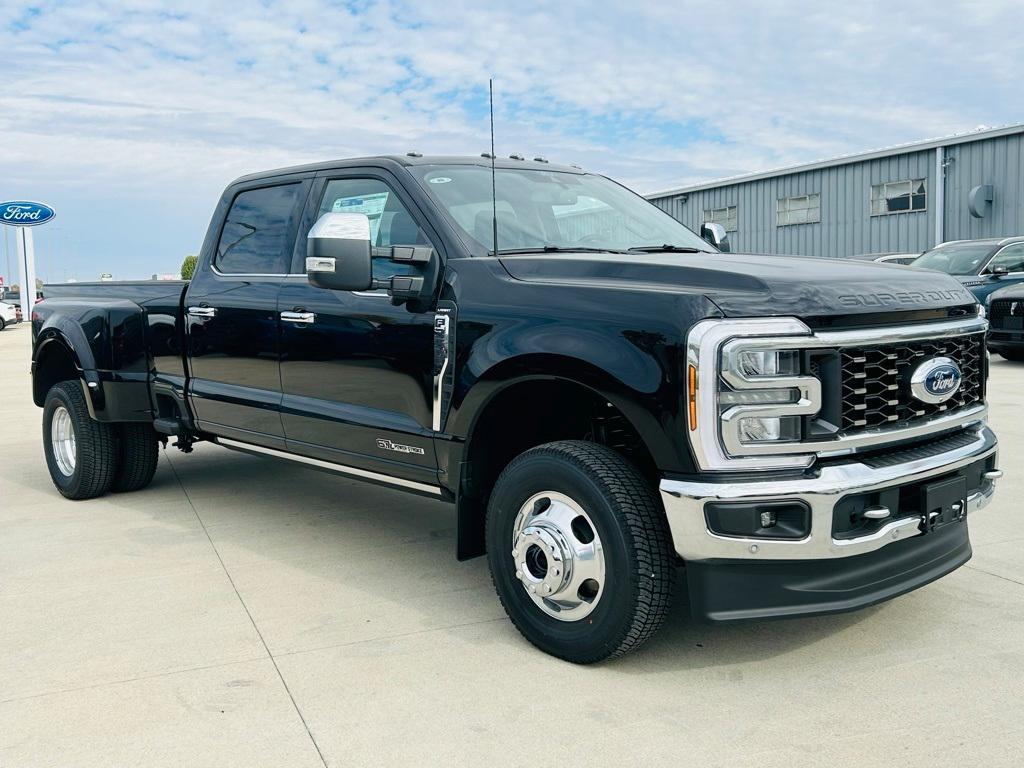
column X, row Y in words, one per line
column 902, row 199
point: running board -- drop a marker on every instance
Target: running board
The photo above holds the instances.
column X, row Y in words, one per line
column 341, row 469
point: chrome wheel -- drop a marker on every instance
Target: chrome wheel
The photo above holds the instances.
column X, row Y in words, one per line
column 62, row 438
column 558, row 556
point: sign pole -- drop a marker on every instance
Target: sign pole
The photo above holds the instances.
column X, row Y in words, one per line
column 27, row 262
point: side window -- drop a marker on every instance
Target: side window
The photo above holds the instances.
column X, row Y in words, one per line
column 1011, row 257
column 257, row 235
column 390, row 221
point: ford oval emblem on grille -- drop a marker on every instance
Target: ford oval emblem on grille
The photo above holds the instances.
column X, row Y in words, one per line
column 936, row 380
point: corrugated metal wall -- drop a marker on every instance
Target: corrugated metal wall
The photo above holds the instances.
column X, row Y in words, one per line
column 999, row 162
column 846, row 226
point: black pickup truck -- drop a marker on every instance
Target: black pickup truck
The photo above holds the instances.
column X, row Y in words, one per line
column 604, row 395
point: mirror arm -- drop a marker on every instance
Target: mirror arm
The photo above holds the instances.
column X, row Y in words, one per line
column 405, row 254
column 401, row 287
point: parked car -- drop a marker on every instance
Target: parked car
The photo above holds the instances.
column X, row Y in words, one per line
column 886, row 258
column 983, row 266
column 1006, row 319
column 8, row 315
column 602, row 393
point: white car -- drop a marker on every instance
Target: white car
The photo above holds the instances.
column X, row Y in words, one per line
column 8, row 315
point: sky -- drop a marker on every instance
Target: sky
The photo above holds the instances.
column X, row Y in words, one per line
column 129, row 118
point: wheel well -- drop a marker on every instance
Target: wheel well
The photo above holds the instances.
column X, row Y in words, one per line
column 55, row 363
column 524, row 416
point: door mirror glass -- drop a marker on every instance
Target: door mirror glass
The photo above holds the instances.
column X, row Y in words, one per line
column 715, row 234
column 338, row 252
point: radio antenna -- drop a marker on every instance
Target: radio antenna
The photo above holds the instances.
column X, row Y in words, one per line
column 494, row 192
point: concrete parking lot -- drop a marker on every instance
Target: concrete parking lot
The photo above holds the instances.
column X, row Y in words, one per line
column 244, row 612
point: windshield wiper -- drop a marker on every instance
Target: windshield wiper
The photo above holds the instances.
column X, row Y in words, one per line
column 667, row 248
column 556, row 249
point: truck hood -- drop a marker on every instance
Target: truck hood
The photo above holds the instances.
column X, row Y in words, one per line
column 752, row 285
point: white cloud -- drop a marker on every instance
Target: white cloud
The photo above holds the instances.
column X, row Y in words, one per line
column 159, row 102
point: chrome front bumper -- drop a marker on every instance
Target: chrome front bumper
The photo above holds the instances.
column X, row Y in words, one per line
column 684, row 506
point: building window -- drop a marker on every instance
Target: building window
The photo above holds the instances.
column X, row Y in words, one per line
column 724, row 216
column 898, row 197
column 803, row 209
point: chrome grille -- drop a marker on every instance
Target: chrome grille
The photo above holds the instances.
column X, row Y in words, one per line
column 875, row 381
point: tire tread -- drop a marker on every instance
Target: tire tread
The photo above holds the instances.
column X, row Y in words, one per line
column 138, row 454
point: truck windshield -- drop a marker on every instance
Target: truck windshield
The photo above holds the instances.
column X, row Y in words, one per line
column 955, row 259
column 550, row 211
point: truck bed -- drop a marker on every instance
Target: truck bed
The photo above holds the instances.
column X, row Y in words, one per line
column 138, row 291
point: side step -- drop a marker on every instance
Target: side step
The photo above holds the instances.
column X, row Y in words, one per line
column 169, row 426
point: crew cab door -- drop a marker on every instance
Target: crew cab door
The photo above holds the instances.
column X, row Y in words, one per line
column 357, row 370
column 231, row 313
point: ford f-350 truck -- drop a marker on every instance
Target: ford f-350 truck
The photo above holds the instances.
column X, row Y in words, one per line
column 603, row 395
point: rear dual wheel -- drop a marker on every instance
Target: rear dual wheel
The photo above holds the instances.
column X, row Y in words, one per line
column 87, row 458
column 579, row 551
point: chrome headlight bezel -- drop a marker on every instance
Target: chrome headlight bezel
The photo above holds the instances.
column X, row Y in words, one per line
column 715, row 355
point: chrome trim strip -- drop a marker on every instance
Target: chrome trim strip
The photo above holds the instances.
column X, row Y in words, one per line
column 711, row 339
column 206, row 312
column 684, row 503
column 213, row 268
column 342, row 469
column 442, row 326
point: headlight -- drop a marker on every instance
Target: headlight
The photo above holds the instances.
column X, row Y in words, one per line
column 759, row 430
column 748, row 396
column 767, row 362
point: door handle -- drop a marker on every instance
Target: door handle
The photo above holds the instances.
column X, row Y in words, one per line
column 298, row 317
column 202, row 311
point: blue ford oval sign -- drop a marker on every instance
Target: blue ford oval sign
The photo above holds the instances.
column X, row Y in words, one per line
column 936, row 380
column 24, row 213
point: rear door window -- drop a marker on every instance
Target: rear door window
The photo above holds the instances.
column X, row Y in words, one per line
column 259, row 231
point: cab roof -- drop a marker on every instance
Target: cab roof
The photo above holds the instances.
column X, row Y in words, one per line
column 412, row 159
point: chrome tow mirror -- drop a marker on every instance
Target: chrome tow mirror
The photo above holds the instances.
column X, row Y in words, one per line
column 715, row 234
column 338, row 252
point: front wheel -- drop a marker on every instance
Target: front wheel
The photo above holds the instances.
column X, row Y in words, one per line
column 81, row 453
column 579, row 551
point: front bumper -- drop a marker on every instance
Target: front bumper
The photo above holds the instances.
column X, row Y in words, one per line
column 999, row 339
column 777, row 588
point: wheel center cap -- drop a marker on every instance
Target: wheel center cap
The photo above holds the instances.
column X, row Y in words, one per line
column 543, row 559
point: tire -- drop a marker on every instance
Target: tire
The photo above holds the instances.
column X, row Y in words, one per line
column 138, row 453
column 1014, row 355
column 86, row 468
column 620, row 512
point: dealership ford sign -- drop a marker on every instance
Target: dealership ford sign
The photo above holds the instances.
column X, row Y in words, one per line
column 24, row 213
column 936, row 380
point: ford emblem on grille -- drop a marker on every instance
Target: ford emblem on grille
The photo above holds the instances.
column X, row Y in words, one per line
column 936, row 380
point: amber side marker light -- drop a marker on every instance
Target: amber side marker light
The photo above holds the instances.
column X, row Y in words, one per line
column 692, row 375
